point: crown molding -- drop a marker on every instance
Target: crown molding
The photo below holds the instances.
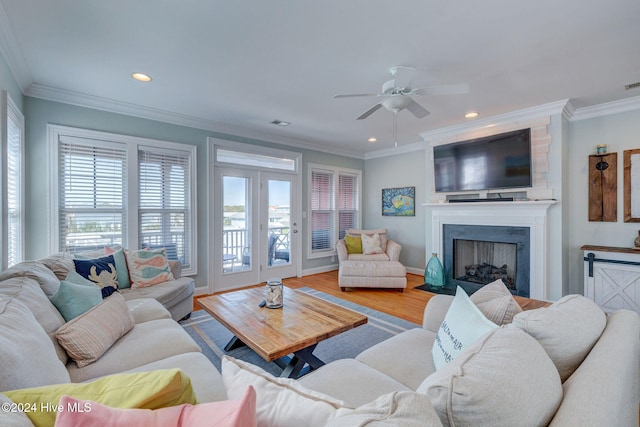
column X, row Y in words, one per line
column 10, row 49
column 135, row 110
column 524, row 115
column 614, row 107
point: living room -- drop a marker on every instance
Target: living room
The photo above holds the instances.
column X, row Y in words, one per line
column 576, row 126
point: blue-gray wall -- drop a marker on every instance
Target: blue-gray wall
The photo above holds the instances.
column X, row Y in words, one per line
column 40, row 112
column 9, row 83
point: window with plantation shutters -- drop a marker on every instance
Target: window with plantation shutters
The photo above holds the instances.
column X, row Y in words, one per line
column 165, row 201
column 334, row 205
column 92, row 186
column 13, row 182
column 122, row 190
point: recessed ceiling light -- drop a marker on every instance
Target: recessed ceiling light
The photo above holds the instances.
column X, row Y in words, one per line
column 280, row 123
column 372, row 139
column 141, row 77
column 471, row 115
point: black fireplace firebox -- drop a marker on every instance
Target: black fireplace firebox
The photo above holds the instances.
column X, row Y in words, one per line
column 475, row 255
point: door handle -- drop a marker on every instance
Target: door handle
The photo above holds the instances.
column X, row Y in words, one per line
column 295, row 231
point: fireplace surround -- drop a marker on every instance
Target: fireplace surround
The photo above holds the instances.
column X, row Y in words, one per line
column 529, row 214
column 476, row 255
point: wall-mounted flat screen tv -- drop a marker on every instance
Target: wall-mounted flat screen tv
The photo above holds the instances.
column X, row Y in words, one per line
column 494, row 162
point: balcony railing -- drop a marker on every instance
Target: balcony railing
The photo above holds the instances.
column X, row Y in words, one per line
column 236, row 246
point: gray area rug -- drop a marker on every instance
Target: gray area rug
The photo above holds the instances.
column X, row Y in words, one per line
column 212, row 336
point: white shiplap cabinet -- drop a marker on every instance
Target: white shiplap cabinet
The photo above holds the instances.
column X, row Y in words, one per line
column 612, row 277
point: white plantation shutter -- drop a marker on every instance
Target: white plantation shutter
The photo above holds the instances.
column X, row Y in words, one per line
column 14, row 193
column 348, row 203
column 322, row 210
column 165, row 201
column 92, row 194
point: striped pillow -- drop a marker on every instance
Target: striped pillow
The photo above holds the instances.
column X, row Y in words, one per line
column 88, row 336
column 148, row 267
column 496, row 302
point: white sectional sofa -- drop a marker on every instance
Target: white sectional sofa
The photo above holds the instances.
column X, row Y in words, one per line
column 31, row 356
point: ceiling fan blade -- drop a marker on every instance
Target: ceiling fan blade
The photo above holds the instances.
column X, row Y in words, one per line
column 355, row 95
column 453, row 89
column 370, row 111
column 402, row 76
column 417, row 110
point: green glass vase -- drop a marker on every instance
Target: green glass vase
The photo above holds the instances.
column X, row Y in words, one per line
column 434, row 273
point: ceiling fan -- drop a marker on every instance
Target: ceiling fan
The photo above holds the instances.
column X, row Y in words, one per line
column 397, row 95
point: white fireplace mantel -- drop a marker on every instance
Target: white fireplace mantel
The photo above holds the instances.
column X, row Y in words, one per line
column 532, row 214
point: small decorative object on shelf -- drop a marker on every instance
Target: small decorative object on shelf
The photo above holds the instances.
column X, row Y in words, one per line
column 273, row 293
column 434, row 274
column 637, row 241
column 601, row 149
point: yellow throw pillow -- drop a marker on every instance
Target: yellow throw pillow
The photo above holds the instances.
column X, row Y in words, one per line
column 354, row 244
column 143, row 390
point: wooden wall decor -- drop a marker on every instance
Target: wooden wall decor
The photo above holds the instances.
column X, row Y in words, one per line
column 632, row 185
column 603, row 187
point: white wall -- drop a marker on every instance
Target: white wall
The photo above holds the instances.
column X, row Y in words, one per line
column 620, row 132
column 400, row 170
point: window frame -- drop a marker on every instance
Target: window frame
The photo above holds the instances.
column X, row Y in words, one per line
column 133, row 146
column 10, row 111
column 336, row 172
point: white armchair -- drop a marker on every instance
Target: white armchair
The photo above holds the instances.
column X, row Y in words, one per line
column 381, row 270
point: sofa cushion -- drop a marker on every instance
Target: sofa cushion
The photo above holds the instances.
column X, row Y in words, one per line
column 230, row 413
column 146, row 390
column 36, row 271
column 567, row 330
column 28, row 291
column 281, row 402
column 351, row 381
column 167, row 293
column 60, row 264
column 372, row 269
column 206, row 380
column 371, row 244
column 73, row 299
column 148, row 267
column 363, row 257
column 401, row 408
column 11, row 418
column 28, row 356
column 101, row 271
column 463, row 325
column 504, row 379
column 160, row 338
column 145, row 309
column 353, row 243
column 496, row 302
column 403, row 357
column 90, row 335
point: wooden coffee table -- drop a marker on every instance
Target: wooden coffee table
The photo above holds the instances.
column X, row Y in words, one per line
column 296, row 328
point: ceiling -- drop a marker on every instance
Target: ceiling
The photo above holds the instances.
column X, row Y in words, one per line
column 235, row 66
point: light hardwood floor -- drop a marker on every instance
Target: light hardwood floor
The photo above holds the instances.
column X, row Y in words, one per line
column 408, row 305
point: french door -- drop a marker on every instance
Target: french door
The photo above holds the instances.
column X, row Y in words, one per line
column 256, row 227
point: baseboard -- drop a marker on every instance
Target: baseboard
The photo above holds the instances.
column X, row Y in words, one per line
column 413, row 270
column 318, row 270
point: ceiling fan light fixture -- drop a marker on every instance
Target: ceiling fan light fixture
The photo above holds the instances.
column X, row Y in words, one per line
column 280, row 123
column 372, row 139
column 141, row 77
column 471, row 115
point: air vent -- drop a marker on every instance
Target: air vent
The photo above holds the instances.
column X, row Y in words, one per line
column 632, row 86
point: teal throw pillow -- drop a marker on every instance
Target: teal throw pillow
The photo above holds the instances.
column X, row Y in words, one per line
column 121, row 265
column 73, row 299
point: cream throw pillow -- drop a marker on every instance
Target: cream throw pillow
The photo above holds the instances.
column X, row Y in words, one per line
column 400, row 408
column 90, row 335
column 504, row 379
column 371, row 244
column 281, row 402
column 496, row 302
column 463, row 324
column 567, row 330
